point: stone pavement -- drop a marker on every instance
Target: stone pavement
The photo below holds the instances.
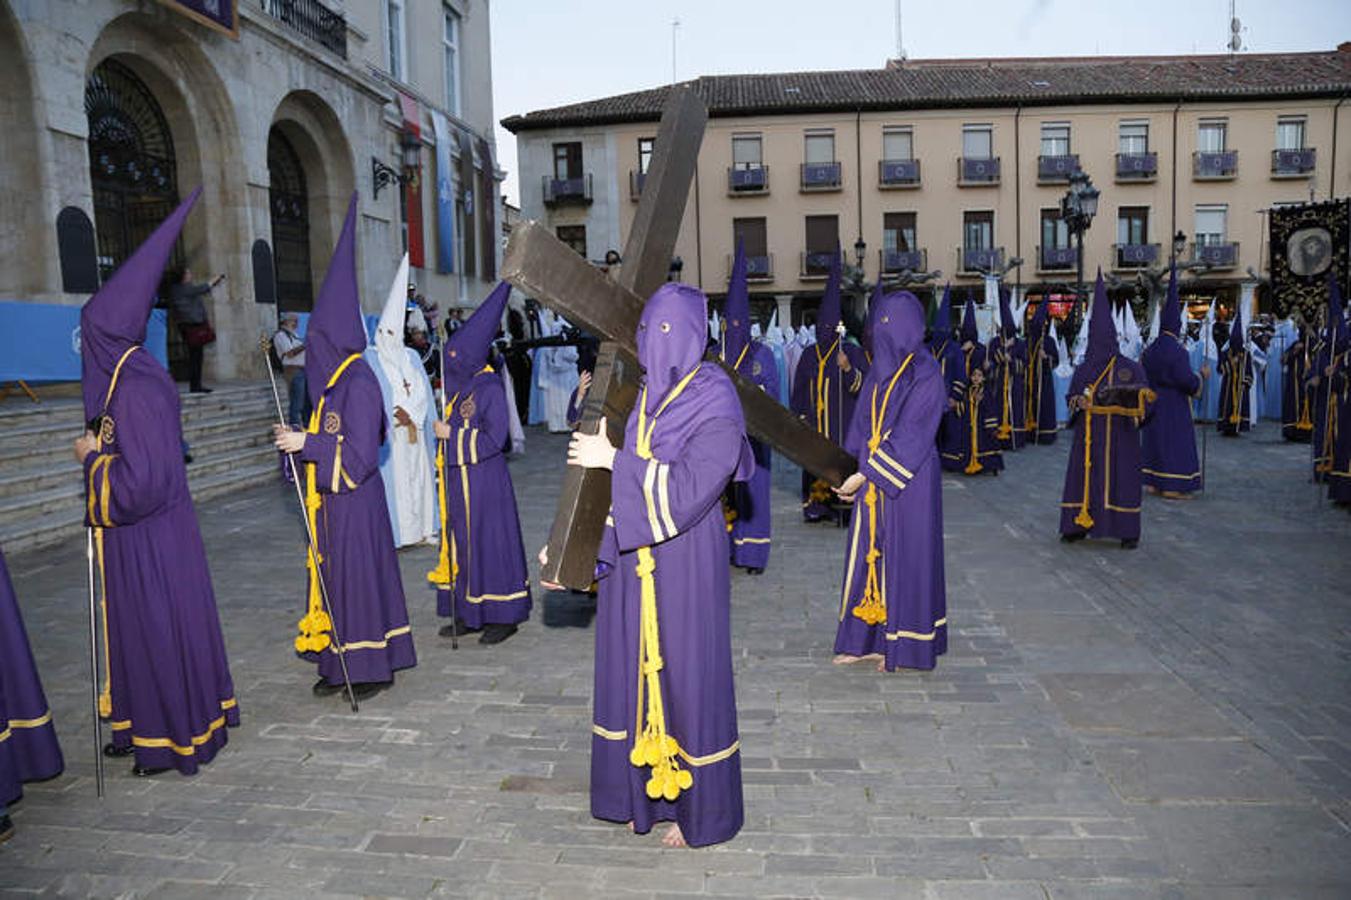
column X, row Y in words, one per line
column 1169, row 722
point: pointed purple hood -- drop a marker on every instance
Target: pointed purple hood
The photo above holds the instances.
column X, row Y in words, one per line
column 1170, row 317
column 335, row 330
column 1102, row 343
column 1006, row 323
column 1037, row 329
column 942, row 323
column 115, row 317
column 969, row 331
column 737, row 310
column 898, row 331
column 671, row 337
column 466, row 351
column 1235, row 343
column 828, row 316
column 1337, row 331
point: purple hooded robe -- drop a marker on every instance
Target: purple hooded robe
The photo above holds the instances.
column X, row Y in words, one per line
column 749, row 502
column 900, row 512
column 1039, row 422
column 1102, row 481
column 1008, row 379
column 974, row 448
column 1168, row 460
column 951, row 364
column 664, row 575
column 1337, row 413
column 1296, row 399
column 28, row 747
column 1236, row 378
column 167, row 689
column 342, row 453
column 823, row 393
column 482, row 578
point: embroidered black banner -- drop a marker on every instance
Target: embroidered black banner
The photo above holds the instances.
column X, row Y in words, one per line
column 1307, row 242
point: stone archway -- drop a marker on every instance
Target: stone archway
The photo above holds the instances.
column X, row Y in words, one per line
column 306, row 125
column 196, row 115
column 24, row 248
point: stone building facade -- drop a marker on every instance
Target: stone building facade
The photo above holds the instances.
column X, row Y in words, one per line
column 960, row 165
column 118, row 108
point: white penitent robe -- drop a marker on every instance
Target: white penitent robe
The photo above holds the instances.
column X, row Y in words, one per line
column 406, row 455
column 513, row 414
column 556, row 374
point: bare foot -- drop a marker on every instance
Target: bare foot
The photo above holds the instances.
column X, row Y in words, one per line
column 1151, row 489
column 881, row 665
column 630, row 826
column 846, row 659
column 1176, row 495
column 673, row 837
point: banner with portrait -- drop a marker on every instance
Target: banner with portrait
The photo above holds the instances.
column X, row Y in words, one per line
column 1309, row 241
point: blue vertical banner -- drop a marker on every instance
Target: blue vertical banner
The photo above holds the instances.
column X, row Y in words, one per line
column 445, row 196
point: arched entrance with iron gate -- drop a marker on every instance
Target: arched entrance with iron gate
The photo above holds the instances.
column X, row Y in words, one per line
column 132, row 165
column 288, row 203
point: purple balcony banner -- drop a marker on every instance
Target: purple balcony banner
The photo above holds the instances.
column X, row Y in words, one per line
column 221, row 15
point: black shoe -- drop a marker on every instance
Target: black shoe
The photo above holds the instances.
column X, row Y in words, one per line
column 114, row 751
column 187, row 459
column 460, row 628
column 1072, row 538
column 368, row 689
column 755, row 570
column 199, row 390
column 6, row 829
column 323, row 689
column 496, row 634
column 1130, row 543
column 148, row 771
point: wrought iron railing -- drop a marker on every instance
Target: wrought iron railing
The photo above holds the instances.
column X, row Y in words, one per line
column 313, row 20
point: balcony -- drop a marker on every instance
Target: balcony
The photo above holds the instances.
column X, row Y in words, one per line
column 821, row 176
column 1056, row 169
column 979, row 260
column 1293, row 163
column 567, row 191
column 1057, row 259
column 1138, row 167
column 636, row 182
column 816, row 263
column 758, row 268
column 1221, row 165
column 896, row 261
column 898, row 173
column 1134, row 256
column 1219, row 255
column 973, row 171
column 748, row 180
column 313, row 20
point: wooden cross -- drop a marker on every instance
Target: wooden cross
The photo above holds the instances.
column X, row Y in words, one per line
column 543, row 267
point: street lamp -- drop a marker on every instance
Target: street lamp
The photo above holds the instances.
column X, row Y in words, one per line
column 860, row 251
column 1179, row 244
column 410, row 153
column 1077, row 209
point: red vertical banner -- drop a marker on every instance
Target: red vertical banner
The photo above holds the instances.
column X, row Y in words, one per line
column 417, row 257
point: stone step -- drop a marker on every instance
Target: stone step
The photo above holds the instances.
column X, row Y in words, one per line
column 69, row 494
column 31, row 474
column 55, row 444
column 17, row 414
column 67, row 524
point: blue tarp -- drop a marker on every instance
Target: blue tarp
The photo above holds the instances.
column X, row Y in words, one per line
column 40, row 342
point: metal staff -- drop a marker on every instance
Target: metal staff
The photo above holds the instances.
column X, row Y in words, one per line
column 94, row 665
column 440, row 470
column 840, row 332
column 1333, row 328
column 311, row 541
column 1041, row 377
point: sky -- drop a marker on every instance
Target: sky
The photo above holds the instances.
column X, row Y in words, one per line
column 551, row 52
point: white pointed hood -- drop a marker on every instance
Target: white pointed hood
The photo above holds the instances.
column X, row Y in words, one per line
column 398, row 366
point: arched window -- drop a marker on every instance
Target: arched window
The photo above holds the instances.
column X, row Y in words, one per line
column 288, row 201
column 131, row 163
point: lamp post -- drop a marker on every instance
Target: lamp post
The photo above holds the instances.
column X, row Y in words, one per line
column 1077, row 209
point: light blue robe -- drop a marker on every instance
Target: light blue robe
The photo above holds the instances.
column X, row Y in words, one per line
column 424, row 427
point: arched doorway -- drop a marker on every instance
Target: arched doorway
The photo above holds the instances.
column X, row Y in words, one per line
column 288, row 201
column 132, row 166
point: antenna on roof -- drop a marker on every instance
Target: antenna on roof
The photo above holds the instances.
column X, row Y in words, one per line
column 675, row 28
column 1235, row 29
column 900, row 45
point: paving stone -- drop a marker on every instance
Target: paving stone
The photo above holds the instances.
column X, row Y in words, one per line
column 1105, row 725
